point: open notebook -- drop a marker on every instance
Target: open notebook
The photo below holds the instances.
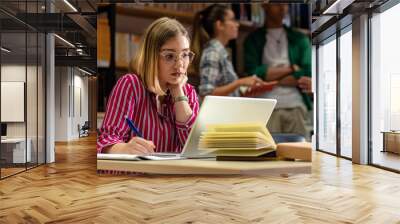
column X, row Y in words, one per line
column 241, row 139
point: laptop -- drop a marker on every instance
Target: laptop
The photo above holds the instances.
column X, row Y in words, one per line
column 214, row 110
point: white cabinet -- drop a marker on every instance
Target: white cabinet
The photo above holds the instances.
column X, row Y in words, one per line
column 13, row 150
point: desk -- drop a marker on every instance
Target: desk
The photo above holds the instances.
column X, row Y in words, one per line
column 13, row 150
column 206, row 167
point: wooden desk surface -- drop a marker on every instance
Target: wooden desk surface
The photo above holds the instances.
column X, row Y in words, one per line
column 210, row 166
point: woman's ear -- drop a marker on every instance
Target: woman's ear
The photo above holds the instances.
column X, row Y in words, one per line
column 218, row 26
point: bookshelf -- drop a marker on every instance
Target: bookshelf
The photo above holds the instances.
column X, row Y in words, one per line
column 145, row 16
column 184, row 17
column 154, row 12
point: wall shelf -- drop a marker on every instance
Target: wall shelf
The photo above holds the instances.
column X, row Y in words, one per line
column 153, row 12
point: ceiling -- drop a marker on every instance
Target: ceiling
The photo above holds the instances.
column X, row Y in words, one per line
column 330, row 16
column 77, row 26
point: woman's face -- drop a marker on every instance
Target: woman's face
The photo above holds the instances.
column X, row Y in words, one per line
column 229, row 27
column 174, row 59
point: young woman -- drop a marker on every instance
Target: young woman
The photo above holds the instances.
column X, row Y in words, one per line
column 157, row 99
column 214, row 27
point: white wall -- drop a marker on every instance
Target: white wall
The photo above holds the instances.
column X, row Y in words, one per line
column 34, row 125
column 81, row 104
column 71, row 102
column 61, row 103
column 12, row 73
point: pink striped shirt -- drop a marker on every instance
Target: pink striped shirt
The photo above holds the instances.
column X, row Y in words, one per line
column 156, row 122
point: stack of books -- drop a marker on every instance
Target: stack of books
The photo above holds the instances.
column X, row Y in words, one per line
column 237, row 140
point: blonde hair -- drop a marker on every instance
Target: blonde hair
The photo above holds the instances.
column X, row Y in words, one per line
column 145, row 63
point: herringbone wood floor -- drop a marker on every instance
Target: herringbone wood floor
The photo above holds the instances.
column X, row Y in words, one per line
column 70, row 191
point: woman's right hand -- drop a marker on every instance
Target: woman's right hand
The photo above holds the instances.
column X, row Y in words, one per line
column 249, row 81
column 137, row 146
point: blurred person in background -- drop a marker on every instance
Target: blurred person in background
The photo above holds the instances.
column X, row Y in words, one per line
column 279, row 53
column 213, row 28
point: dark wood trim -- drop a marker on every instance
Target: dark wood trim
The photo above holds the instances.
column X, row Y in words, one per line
column 153, row 12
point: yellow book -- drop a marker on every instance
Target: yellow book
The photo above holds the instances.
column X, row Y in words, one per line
column 242, row 139
column 103, row 41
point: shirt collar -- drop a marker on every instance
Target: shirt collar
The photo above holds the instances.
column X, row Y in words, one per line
column 218, row 46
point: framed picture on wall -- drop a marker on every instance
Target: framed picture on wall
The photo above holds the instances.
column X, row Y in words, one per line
column 12, row 101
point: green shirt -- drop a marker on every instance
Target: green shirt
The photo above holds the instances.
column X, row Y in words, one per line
column 299, row 47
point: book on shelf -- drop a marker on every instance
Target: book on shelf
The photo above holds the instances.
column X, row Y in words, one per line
column 134, row 45
column 103, row 42
column 126, row 47
column 122, row 55
column 241, row 140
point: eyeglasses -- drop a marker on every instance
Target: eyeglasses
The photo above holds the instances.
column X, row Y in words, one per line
column 171, row 57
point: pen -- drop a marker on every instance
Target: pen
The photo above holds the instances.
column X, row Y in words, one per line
column 133, row 128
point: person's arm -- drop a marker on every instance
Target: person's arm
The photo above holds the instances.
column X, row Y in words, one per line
column 251, row 58
column 229, row 88
column 114, row 132
column 305, row 84
column 288, row 81
column 185, row 111
column 304, row 61
column 210, row 74
column 136, row 145
column 226, row 89
column 277, row 73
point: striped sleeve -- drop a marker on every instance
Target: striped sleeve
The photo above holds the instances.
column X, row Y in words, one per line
column 184, row 128
column 114, row 129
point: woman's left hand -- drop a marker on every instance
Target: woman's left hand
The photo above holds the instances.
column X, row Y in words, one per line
column 182, row 109
column 177, row 89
